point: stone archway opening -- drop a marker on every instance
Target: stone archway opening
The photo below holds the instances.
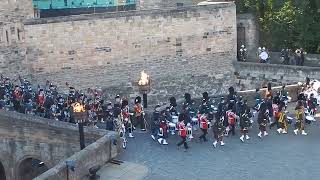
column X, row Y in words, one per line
column 30, row 168
column 2, row 172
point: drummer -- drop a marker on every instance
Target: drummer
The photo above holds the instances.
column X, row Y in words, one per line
column 264, row 56
column 204, row 127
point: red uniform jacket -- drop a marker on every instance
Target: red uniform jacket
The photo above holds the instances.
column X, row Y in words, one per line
column 138, row 109
column 164, row 127
column 203, row 122
column 231, row 117
column 41, row 99
column 275, row 110
column 182, row 129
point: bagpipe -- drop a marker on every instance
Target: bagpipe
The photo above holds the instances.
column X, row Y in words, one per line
column 173, row 125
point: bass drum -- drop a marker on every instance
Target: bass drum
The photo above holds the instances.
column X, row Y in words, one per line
column 264, row 56
column 189, row 132
column 310, row 118
column 194, row 122
column 172, row 128
column 175, row 119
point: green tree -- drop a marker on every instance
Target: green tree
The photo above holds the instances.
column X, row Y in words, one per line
column 286, row 23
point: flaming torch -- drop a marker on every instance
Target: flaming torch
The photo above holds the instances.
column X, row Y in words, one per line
column 144, row 87
column 80, row 117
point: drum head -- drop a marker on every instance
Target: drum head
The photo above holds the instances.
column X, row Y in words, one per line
column 175, row 119
column 172, row 125
column 264, row 55
column 310, row 118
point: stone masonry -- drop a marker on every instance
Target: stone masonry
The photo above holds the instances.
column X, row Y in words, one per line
column 190, row 49
column 257, row 75
column 12, row 50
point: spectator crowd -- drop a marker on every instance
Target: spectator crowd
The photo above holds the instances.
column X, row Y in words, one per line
column 21, row 96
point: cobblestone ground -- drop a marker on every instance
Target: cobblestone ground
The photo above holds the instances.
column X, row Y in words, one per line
column 275, row 157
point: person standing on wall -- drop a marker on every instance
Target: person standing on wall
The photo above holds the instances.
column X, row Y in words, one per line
column 302, row 56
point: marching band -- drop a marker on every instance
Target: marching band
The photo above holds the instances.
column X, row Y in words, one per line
column 223, row 117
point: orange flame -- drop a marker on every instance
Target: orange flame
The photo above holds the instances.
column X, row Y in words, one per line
column 78, row 108
column 144, row 79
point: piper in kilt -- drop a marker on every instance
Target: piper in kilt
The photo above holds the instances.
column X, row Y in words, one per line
column 126, row 118
column 245, row 123
column 263, row 120
column 218, row 129
column 283, row 122
column 300, row 119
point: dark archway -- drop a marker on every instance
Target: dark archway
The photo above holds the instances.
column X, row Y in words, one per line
column 2, row 172
column 31, row 168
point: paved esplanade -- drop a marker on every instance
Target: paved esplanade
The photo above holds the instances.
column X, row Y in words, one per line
column 275, row 157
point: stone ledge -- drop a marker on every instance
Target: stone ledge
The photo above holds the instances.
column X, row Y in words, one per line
column 261, row 65
column 49, row 122
column 97, row 153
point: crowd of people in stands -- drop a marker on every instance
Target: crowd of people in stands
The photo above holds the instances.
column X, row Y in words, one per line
column 21, row 96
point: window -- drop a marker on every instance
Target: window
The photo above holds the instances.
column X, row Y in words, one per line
column 18, row 33
column 7, row 36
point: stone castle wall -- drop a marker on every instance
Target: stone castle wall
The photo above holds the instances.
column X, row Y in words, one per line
column 251, row 33
column 12, row 50
column 26, row 136
column 190, row 49
column 257, row 75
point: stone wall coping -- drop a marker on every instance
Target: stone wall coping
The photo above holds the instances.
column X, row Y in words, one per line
column 49, row 122
column 261, row 65
column 149, row 12
column 98, row 152
column 245, row 16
